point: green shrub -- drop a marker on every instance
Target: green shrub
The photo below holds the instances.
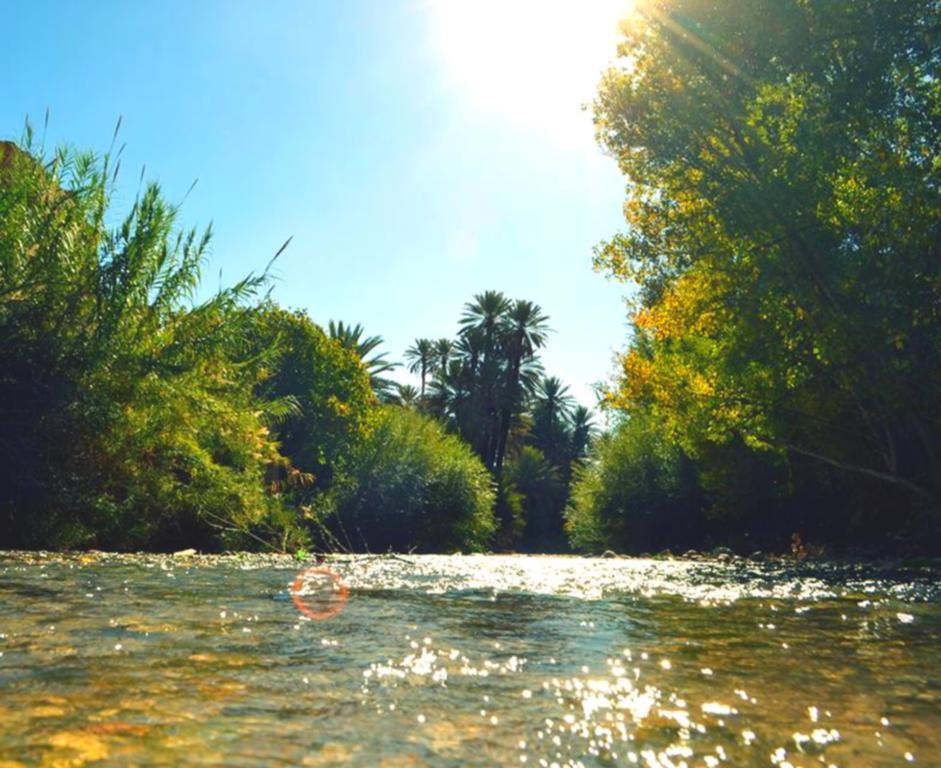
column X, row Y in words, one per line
column 128, row 416
column 636, row 492
column 326, row 388
column 411, row 485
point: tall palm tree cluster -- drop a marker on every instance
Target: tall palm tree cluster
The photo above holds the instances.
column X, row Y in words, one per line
column 483, row 387
column 488, row 386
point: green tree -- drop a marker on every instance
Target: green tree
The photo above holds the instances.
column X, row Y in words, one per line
column 783, row 225
column 582, row 433
column 330, row 388
column 128, row 409
column 488, row 393
column 542, row 494
column 444, row 348
column 552, row 410
column 637, row 492
column 523, row 332
column 408, row 396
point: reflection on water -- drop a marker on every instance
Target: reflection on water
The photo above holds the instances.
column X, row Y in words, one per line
column 454, row 661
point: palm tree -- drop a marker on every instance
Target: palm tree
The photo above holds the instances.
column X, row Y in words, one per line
column 351, row 337
column 449, row 396
column 485, row 313
column 553, row 399
column 407, row 396
column 421, row 359
column 551, row 415
column 444, row 348
column 470, row 347
column 544, row 492
column 582, row 431
column 483, row 319
column 523, row 332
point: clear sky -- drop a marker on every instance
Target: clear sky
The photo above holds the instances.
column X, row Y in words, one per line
column 419, row 151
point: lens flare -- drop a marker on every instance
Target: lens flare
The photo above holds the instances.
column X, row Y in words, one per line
column 318, row 593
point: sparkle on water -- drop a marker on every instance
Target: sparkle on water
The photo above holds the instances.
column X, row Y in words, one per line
column 474, row 660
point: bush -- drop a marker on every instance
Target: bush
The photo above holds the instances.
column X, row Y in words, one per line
column 636, row 492
column 410, row 485
column 327, row 397
column 127, row 411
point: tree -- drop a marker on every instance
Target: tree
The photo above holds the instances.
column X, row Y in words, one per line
column 783, row 226
column 444, row 348
column 482, row 322
column 351, row 337
column 523, row 332
column 551, row 413
column 485, row 389
column 410, row 485
column 543, row 497
column 421, row 359
column 330, row 388
column 582, row 432
column 408, row 396
column 485, row 315
column 637, row 492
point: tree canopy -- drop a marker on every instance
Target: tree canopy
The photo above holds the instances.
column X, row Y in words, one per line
column 784, row 230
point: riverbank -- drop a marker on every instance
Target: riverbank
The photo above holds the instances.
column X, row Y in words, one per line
column 719, row 555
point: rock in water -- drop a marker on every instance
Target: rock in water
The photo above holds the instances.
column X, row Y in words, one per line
column 185, row 553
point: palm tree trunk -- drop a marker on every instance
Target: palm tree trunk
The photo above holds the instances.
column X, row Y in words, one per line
column 507, row 415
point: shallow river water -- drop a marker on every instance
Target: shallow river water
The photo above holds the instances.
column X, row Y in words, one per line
column 468, row 660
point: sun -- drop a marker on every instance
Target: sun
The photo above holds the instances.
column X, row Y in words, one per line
column 535, row 63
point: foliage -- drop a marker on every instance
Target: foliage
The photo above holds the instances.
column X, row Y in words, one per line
column 488, row 387
column 128, row 411
column 542, row 497
column 351, row 337
column 331, row 391
column 491, row 372
column 783, row 225
column 407, row 396
column 552, row 412
column 421, row 358
column 637, row 492
column 134, row 416
column 411, row 485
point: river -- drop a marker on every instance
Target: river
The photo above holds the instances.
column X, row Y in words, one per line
column 127, row 660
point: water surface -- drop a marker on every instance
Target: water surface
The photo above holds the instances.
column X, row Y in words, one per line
column 468, row 660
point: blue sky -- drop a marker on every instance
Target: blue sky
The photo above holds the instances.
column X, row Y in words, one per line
column 418, row 151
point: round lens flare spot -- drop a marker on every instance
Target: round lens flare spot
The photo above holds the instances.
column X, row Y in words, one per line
column 318, row 593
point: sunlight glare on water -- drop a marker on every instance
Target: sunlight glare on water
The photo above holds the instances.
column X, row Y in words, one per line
column 542, row 661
